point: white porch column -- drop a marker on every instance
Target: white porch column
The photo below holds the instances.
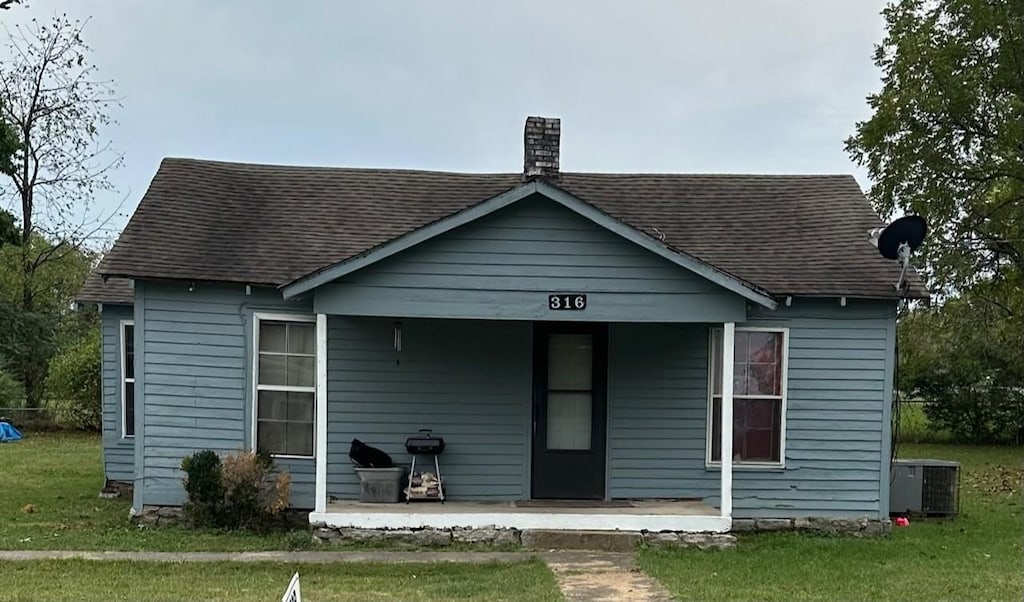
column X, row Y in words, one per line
column 728, row 351
column 320, row 500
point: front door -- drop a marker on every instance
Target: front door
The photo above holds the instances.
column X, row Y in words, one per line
column 570, row 365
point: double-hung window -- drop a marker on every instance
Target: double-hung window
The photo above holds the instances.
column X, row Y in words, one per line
column 759, row 396
column 285, row 385
column 127, row 352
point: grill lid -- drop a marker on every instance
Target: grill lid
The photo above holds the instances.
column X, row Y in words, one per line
column 424, row 443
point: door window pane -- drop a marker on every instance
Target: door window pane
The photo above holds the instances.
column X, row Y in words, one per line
column 569, row 420
column 570, row 362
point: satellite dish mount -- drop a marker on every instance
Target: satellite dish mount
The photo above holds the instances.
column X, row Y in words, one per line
column 898, row 241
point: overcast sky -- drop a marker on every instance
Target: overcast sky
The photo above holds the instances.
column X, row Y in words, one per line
column 761, row 86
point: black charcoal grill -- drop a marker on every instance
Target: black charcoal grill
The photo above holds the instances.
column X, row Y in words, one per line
column 424, row 444
column 424, row 486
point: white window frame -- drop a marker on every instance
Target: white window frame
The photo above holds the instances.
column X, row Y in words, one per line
column 256, row 387
column 123, row 382
column 742, row 464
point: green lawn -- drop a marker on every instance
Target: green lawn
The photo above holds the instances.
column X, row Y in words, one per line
column 86, row 581
column 976, row 557
column 60, row 476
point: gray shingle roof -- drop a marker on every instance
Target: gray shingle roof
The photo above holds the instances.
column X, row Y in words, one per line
column 263, row 224
column 114, row 290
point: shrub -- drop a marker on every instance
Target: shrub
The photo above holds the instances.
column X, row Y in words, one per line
column 204, row 487
column 239, row 491
column 979, row 413
column 966, row 361
column 73, row 385
column 915, row 427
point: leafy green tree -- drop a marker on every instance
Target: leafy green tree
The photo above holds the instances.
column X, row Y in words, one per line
column 946, row 139
column 73, row 384
column 29, row 338
column 9, row 234
column 57, row 108
column 966, row 361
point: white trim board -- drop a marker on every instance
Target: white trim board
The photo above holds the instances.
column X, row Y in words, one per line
column 582, row 208
column 709, row 464
column 502, row 520
column 121, row 351
column 258, row 317
column 320, row 418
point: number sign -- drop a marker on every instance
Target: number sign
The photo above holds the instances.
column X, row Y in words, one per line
column 567, row 302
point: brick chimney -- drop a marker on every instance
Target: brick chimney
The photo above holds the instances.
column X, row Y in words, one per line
column 540, row 147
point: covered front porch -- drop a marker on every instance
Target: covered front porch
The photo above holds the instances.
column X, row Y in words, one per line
column 561, row 354
column 475, row 382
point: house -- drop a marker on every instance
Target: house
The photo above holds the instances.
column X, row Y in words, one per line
column 568, row 334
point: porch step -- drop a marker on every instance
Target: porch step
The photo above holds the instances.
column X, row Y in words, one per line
column 605, row 541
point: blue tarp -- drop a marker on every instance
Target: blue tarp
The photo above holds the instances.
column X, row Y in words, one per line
column 8, row 432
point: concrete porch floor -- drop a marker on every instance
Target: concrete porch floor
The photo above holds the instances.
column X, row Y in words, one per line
column 679, row 516
column 635, row 508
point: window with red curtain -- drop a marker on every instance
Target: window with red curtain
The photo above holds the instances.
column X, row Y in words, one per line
column 758, row 393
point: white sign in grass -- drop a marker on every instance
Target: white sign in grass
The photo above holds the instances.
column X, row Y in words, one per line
column 294, row 592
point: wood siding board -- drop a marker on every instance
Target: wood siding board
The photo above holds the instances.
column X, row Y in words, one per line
column 458, row 275
column 887, row 401
column 139, row 311
column 835, row 418
column 118, row 452
column 197, row 380
column 477, row 379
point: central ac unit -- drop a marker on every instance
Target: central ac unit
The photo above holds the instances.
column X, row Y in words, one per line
column 925, row 487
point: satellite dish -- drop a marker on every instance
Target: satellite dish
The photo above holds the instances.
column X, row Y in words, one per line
column 898, row 240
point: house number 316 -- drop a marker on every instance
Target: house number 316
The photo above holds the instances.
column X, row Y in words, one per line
column 567, row 302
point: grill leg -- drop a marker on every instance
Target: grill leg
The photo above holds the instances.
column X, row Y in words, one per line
column 440, row 482
column 412, row 471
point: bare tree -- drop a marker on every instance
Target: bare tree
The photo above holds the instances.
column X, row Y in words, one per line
column 51, row 97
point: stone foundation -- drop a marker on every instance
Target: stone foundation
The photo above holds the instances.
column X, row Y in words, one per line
column 505, row 538
column 415, row 538
column 114, row 489
column 160, row 516
column 858, row 527
column 701, row 541
column 167, row 516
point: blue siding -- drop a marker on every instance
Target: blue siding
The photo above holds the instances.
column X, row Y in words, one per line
column 504, row 265
column 118, row 452
column 196, row 374
column 657, row 406
column 469, row 381
column 840, row 362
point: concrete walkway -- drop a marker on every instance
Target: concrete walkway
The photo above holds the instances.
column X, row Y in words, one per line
column 286, row 557
column 582, row 576
column 603, row 577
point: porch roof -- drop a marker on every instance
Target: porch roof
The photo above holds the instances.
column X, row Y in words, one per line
column 705, row 270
